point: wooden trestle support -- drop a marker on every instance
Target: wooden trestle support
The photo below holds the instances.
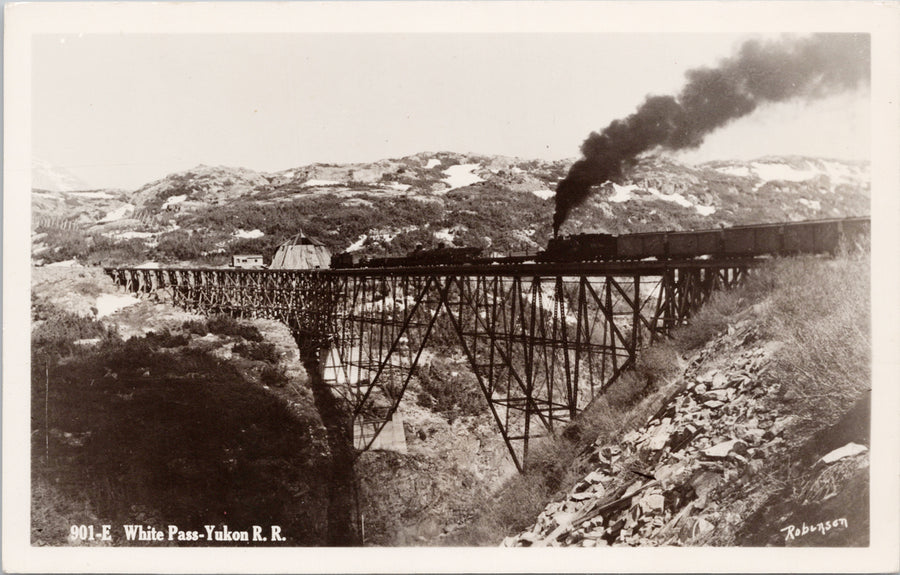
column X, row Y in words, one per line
column 542, row 340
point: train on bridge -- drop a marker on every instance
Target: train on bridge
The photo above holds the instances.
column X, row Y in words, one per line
column 812, row 236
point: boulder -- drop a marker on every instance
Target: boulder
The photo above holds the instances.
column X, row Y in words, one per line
column 848, row 450
column 721, row 450
column 702, row 527
column 660, row 436
column 652, row 502
column 705, row 482
column 719, row 381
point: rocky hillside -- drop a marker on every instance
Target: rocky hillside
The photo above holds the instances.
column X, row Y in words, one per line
column 761, row 440
column 679, row 479
column 387, row 207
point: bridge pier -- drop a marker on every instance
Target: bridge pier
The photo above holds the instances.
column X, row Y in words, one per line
column 338, row 422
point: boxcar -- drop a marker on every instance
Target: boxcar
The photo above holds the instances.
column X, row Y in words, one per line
column 694, row 244
column 639, row 246
column 442, row 256
column 346, row 260
column 854, row 230
column 752, row 240
column 800, row 237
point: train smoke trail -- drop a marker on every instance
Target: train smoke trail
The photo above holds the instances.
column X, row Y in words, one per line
column 760, row 72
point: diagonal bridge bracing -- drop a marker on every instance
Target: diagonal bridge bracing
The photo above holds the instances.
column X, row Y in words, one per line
column 542, row 340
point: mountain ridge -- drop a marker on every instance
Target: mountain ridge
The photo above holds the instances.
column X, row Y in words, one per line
column 500, row 204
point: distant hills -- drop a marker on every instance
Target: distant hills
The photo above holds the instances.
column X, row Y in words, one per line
column 46, row 176
column 501, row 204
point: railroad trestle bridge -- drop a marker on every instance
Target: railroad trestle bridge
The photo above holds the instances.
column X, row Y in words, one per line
column 542, row 339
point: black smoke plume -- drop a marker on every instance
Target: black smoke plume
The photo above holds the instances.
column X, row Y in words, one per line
column 760, row 72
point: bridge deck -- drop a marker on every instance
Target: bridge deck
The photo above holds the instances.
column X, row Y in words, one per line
column 566, row 269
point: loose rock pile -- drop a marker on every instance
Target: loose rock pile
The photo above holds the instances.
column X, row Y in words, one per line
column 658, row 485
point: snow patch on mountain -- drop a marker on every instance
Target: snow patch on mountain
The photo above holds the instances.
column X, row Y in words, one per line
column 843, row 173
column 358, row 244
column 448, row 235
column 432, row 163
column 172, row 200
column 784, row 172
column 622, row 193
column 100, row 195
column 73, row 263
column 544, row 194
column 118, row 214
column 248, row 234
column 461, row 175
column 634, row 192
column 814, row 204
column 739, row 171
column 675, row 198
column 399, row 187
column 131, row 235
column 320, row 183
column 444, row 235
column 357, row 202
column 108, row 304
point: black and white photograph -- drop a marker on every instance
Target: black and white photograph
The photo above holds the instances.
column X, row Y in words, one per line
column 615, row 281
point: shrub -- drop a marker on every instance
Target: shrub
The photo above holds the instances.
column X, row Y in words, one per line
column 448, row 390
column 223, row 324
column 165, row 339
column 181, row 245
column 259, row 351
column 826, row 359
column 226, row 325
column 273, row 376
column 198, row 327
column 54, row 330
column 722, row 306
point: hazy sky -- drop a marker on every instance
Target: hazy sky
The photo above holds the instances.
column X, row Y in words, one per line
column 122, row 110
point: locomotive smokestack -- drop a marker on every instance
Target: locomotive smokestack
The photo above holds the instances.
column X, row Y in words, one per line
column 760, row 72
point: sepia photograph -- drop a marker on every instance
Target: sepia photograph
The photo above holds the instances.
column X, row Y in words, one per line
column 402, row 278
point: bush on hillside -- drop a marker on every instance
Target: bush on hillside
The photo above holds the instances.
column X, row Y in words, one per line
column 825, row 363
column 273, row 376
column 450, row 389
column 165, row 339
column 257, row 351
column 183, row 246
column 223, row 324
column 54, row 331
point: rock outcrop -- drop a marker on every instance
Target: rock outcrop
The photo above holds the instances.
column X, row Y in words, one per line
column 663, row 484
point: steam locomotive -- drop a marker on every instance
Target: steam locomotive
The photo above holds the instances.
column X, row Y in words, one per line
column 814, row 236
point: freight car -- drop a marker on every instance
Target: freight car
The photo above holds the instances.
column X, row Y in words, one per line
column 815, row 236
column 419, row 257
column 347, row 260
column 443, row 256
